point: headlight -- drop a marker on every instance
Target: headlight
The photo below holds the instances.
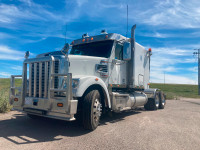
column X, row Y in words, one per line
column 75, row 83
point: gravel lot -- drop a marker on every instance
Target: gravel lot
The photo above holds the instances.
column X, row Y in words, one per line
column 175, row 127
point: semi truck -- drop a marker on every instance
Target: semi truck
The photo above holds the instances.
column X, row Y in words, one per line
column 87, row 78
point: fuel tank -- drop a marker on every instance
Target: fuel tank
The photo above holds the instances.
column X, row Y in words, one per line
column 125, row 101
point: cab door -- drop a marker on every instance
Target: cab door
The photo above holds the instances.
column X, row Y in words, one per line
column 118, row 71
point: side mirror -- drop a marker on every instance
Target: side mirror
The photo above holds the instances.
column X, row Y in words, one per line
column 127, row 51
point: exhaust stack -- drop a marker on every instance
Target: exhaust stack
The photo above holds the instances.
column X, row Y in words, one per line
column 131, row 63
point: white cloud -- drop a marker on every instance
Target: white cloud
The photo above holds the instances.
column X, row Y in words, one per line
column 164, row 57
column 4, row 74
column 157, row 77
column 18, row 68
column 172, row 62
column 170, row 13
column 81, row 2
column 172, row 51
column 5, row 35
column 6, row 53
column 193, row 69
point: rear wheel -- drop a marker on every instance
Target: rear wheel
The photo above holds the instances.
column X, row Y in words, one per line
column 153, row 103
column 92, row 109
column 162, row 100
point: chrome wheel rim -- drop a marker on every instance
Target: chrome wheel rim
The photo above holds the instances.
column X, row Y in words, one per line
column 97, row 109
column 163, row 101
column 157, row 101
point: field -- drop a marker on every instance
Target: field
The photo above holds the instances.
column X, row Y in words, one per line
column 4, row 94
column 172, row 91
column 175, row 91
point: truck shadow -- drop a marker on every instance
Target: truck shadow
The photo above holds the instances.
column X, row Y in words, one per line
column 21, row 129
column 116, row 117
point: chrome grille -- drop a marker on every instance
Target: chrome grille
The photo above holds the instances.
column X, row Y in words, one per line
column 39, row 78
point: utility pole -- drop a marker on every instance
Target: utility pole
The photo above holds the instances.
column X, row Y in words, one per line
column 198, row 55
column 164, row 77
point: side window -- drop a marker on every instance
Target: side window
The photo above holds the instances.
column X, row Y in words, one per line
column 119, row 52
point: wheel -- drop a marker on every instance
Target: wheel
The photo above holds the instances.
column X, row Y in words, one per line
column 92, row 109
column 33, row 116
column 153, row 103
column 162, row 100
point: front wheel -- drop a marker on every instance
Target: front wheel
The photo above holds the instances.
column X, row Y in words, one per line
column 92, row 109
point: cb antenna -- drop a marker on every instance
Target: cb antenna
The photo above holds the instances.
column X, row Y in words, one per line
column 127, row 23
column 65, row 32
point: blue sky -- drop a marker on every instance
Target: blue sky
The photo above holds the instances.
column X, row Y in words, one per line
column 170, row 27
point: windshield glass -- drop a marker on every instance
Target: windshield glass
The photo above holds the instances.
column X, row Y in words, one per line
column 97, row 49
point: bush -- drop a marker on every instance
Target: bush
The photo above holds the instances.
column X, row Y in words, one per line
column 4, row 101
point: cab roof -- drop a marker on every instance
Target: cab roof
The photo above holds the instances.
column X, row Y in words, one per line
column 102, row 37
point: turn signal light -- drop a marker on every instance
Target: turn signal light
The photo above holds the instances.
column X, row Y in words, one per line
column 83, row 40
column 16, row 99
column 60, row 104
column 92, row 38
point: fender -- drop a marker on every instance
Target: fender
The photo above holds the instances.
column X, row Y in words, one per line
column 151, row 93
column 86, row 82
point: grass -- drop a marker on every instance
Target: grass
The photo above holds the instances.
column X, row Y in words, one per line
column 175, row 91
column 4, row 94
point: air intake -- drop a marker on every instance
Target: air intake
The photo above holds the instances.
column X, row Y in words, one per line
column 85, row 35
column 103, row 32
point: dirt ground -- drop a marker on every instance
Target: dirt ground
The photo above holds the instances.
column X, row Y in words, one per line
column 175, row 127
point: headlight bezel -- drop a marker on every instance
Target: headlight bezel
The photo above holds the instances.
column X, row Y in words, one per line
column 75, row 83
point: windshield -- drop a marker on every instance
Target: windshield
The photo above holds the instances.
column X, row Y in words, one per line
column 97, row 49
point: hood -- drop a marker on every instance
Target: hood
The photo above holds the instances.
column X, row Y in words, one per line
column 84, row 65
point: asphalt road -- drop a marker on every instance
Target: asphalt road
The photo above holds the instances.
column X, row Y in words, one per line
column 175, row 127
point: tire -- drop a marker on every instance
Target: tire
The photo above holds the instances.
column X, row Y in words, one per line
column 153, row 103
column 162, row 100
column 92, row 110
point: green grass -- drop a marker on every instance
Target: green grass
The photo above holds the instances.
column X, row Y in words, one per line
column 4, row 94
column 175, row 91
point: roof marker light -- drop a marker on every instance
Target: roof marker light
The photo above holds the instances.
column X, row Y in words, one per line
column 149, row 50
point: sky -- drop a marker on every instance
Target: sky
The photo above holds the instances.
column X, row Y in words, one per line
column 170, row 27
